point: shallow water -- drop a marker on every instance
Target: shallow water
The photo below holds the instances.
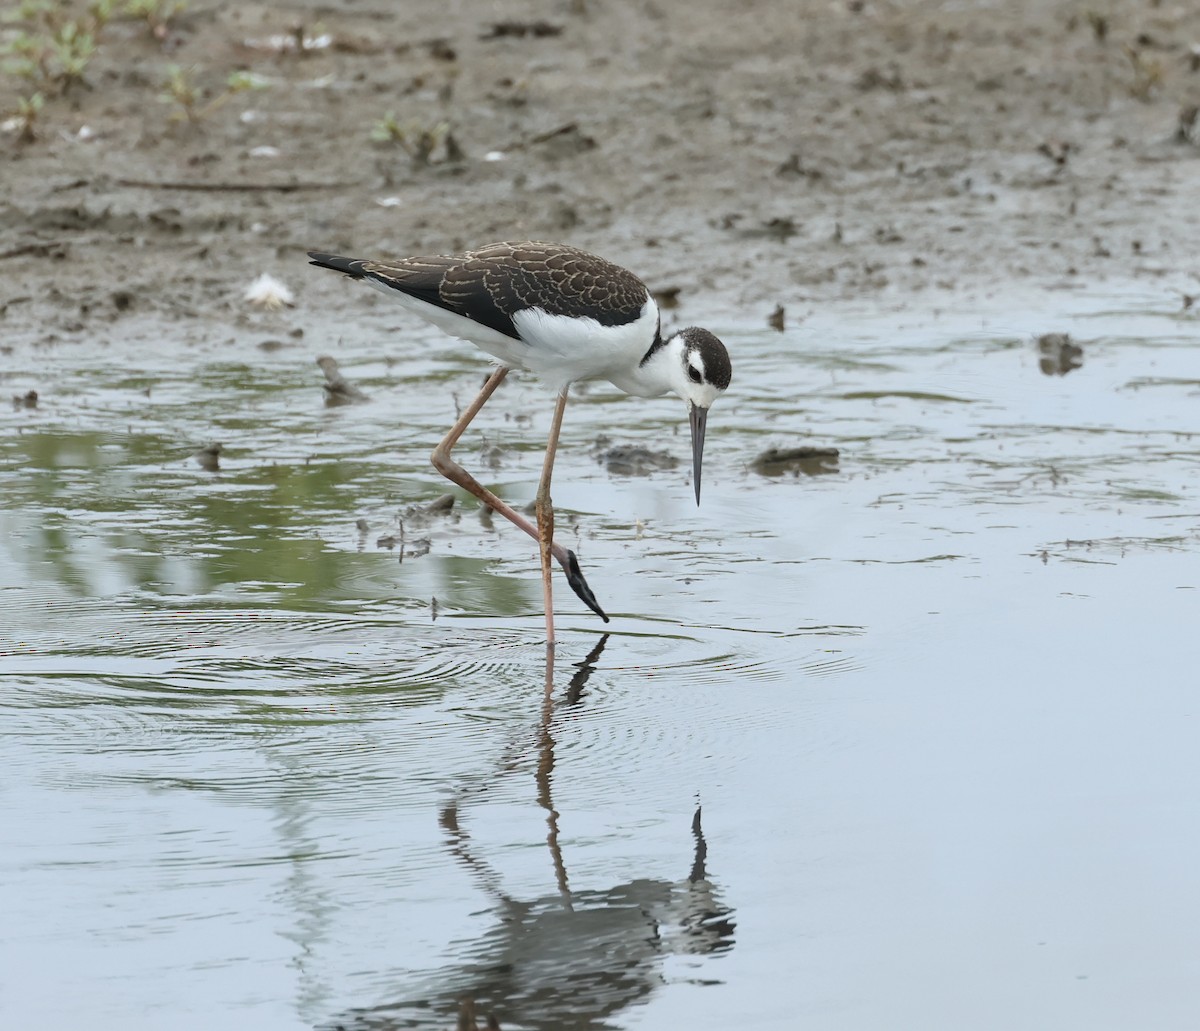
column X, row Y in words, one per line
column 935, row 707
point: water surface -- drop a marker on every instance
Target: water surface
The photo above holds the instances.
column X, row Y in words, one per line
column 910, row 742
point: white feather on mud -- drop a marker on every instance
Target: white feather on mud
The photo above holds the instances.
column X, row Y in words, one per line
column 268, row 292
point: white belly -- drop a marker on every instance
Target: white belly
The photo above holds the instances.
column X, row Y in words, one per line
column 563, row 349
column 556, row 348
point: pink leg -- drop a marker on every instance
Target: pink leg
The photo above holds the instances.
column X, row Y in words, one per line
column 455, row 473
column 545, row 514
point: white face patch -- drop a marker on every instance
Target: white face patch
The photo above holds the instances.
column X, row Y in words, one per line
column 699, row 391
column 702, row 395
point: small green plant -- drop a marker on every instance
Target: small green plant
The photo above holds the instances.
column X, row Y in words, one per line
column 387, row 130
column 420, row 141
column 53, row 48
column 157, row 14
column 1098, row 23
column 181, row 90
column 1148, row 73
column 102, row 12
column 26, row 57
column 31, row 11
column 28, row 109
column 73, row 49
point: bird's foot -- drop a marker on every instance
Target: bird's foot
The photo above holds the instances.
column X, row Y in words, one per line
column 580, row 586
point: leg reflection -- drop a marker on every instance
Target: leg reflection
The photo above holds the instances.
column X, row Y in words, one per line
column 568, row 957
column 545, row 766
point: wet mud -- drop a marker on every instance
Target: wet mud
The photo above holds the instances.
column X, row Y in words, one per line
column 790, row 155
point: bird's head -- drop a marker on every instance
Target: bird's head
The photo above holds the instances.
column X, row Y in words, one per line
column 700, row 374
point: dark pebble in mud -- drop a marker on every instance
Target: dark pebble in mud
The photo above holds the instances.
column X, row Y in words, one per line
column 521, row 29
column 780, row 228
column 812, row 461
column 1057, row 355
column 29, row 399
column 636, row 461
column 209, row 457
column 423, row 513
column 667, row 297
column 563, row 142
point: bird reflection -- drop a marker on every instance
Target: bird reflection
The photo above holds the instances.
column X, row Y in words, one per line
column 568, row 960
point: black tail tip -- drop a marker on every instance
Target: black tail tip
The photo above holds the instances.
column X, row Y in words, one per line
column 347, row 266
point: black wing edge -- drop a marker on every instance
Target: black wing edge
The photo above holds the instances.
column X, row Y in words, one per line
column 351, row 267
column 424, row 283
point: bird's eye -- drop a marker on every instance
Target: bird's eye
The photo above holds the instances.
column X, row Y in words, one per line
column 694, row 374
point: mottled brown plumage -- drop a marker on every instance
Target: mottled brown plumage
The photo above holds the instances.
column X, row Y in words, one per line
column 491, row 284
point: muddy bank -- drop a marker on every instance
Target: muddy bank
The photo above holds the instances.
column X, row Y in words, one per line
column 790, row 154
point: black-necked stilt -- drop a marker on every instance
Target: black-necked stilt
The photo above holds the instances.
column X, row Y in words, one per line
column 564, row 315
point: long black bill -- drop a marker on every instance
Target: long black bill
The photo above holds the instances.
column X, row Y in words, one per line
column 699, row 419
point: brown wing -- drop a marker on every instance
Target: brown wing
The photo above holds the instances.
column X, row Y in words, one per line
column 491, row 284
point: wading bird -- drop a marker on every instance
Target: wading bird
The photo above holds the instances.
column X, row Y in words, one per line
column 564, row 315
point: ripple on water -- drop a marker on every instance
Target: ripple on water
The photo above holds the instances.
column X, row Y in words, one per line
column 368, row 701
column 663, row 699
column 135, row 697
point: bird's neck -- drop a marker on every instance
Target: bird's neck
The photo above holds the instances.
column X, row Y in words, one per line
column 652, row 376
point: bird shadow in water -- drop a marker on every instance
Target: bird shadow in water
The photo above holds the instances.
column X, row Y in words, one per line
column 569, row 960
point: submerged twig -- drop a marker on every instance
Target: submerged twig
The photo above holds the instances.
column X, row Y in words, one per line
column 219, row 187
column 338, row 389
